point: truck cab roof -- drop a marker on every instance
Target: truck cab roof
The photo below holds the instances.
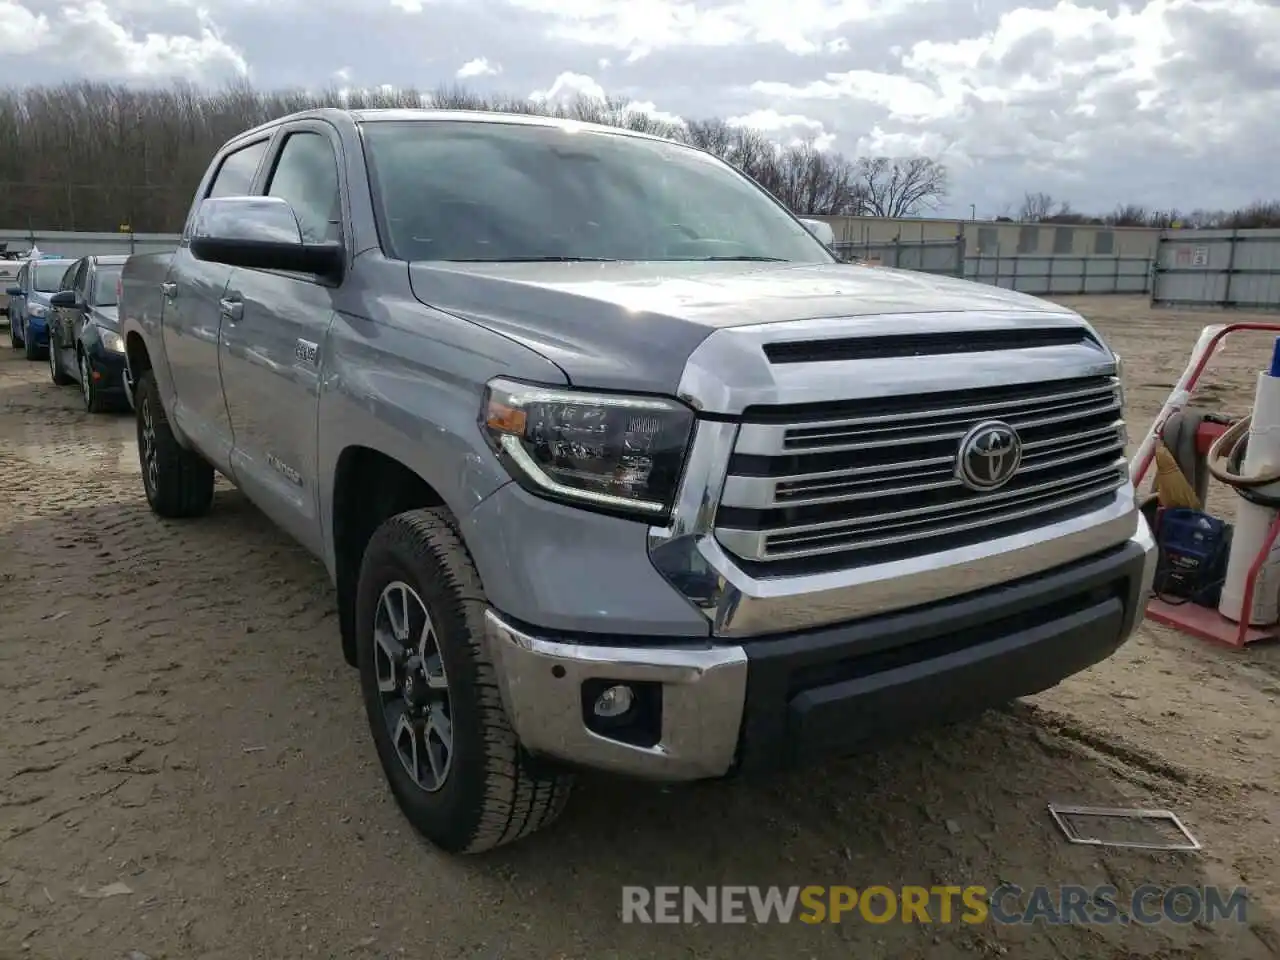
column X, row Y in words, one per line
column 428, row 114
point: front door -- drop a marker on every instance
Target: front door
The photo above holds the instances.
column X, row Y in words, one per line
column 273, row 345
column 65, row 321
column 193, row 311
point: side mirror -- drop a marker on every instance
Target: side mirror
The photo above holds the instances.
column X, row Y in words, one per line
column 260, row 233
column 63, row 298
column 13, row 291
column 820, row 229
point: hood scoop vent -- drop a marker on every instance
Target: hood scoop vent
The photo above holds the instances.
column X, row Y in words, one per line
column 925, row 344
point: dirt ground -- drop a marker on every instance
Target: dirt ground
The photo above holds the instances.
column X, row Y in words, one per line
column 175, row 718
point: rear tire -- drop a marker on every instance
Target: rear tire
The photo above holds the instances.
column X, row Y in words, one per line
column 178, row 482
column 483, row 792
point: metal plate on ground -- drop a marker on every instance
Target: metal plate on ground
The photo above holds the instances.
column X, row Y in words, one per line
column 1123, row 819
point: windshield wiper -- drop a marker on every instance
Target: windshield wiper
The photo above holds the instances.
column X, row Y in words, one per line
column 531, row 260
column 746, row 258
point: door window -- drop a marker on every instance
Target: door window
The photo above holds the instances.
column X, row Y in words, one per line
column 235, row 177
column 306, row 175
column 81, row 282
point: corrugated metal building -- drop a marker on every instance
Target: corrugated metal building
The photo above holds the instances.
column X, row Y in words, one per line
column 1237, row 269
column 986, row 238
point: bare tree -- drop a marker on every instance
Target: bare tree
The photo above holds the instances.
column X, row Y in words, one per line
column 901, row 187
column 1035, row 207
column 93, row 156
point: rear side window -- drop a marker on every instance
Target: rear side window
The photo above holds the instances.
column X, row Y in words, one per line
column 306, row 175
column 235, row 176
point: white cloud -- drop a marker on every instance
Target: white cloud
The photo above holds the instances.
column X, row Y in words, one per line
column 800, row 27
column 479, row 67
column 787, row 129
column 567, row 88
column 20, row 29
column 88, row 35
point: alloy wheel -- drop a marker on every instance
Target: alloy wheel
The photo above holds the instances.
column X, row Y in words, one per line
column 413, row 685
column 147, row 438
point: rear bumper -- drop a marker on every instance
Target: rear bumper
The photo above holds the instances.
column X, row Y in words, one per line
column 786, row 699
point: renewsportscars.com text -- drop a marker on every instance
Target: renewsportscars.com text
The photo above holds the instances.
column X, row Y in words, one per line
column 973, row 904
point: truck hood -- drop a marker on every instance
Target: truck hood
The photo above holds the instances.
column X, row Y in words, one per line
column 633, row 325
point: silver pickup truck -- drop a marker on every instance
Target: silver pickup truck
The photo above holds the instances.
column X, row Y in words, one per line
column 615, row 466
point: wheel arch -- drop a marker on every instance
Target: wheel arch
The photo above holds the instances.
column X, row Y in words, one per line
column 369, row 486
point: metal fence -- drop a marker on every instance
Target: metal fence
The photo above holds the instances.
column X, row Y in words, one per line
column 1062, row 275
column 64, row 243
column 1237, row 269
column 1043, row 275
column 927, row 256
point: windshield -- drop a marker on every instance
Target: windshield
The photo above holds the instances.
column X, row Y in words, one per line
column 504, row 191
column 48, row 276
column 104, row 284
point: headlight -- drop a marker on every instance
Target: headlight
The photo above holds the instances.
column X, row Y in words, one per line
column 609, row 452
column 36, row 310
column 112, row 341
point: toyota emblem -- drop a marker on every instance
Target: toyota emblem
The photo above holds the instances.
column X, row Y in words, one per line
column 989, row 456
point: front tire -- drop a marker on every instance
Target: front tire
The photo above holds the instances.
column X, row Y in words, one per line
column 178, row 482
column 449, row 754
column 93, row 401
column 56, row 373
column 15, row 341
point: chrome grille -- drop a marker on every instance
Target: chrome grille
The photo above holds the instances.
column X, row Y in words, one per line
column 875, row 480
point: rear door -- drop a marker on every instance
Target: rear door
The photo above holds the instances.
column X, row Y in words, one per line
column 193, row 314
column 271, row 352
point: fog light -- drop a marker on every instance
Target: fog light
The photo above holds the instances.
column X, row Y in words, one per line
column 614, row 702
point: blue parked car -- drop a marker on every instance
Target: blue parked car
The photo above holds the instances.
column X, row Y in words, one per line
column 29, row 308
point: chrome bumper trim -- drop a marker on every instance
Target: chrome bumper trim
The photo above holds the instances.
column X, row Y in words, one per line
column 703, row 695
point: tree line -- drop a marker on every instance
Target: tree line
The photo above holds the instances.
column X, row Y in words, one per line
column 93, row 156
column 1043, row 208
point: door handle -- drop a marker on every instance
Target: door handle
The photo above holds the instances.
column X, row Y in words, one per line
column 233, row 310
column 168, row 288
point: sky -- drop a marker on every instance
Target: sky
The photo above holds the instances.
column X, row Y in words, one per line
column 1165, row 103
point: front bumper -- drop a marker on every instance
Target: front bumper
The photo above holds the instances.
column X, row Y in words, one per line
column 36, row 329
column 788, row 698
column 108, row 370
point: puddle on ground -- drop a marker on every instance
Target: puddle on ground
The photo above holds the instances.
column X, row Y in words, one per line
column 112, row 447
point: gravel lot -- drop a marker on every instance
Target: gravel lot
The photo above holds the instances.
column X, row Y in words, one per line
column 175, row 717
